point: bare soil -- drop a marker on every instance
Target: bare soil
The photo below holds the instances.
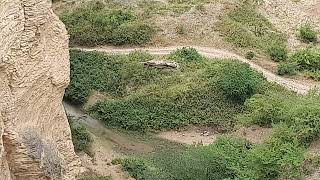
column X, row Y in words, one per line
column 287, row 16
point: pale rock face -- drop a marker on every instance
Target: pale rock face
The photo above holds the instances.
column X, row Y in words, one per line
column 35, row 138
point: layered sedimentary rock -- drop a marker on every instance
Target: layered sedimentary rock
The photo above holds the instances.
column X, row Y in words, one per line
column 35, row 138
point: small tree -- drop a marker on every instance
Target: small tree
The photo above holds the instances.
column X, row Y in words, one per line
column 238, row 81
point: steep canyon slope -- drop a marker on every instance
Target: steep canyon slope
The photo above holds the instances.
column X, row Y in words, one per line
column 35, row 138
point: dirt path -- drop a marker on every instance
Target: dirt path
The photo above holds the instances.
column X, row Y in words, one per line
column 294, row 85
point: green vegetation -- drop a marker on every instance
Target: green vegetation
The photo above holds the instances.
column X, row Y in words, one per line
column 93, row 24
column 146, row 98
column 287, row 68
column 307, row 34
column 115, row 75
column 278, row 53
column 96, row 178
column 81, row 138
column 246, row 28
column 238, row 81
column 186, row 54
column 150, row 7
column 250, row 55
column 295, row 121
column 306, row 61
column 298, row 114
column 228, row 158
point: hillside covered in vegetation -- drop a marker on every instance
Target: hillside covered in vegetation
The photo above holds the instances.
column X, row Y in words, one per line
column 124, row 92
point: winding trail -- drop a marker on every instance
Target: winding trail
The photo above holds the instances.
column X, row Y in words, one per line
column 291, row 84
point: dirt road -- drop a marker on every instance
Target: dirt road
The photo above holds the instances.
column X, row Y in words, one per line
column 294, row 85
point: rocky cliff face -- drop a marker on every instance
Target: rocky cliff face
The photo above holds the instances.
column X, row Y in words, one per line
column 35, row 140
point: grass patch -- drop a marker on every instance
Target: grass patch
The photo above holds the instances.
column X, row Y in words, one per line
column 94, row 24
column 178, row 7
column 228, row 158
column 287, row 68
column 146, row 98
column 96, row 178
column 246, row 28
column 295, row 119
column 307, row 61
column 115, row 75
column 300, row 114
column 81, row 138
column 307, row 34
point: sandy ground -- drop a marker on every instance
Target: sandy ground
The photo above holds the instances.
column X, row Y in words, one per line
column 287, row 16
column 207, row 135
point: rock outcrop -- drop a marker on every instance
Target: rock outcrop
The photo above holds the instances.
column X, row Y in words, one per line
column 35, row 138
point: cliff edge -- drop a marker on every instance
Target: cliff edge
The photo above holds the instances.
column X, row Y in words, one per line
column 35, row 138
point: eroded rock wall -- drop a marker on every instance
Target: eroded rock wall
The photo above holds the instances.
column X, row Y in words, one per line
column 35, row 139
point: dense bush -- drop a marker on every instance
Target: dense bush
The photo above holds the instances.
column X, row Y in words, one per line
column 307, row 34
column 287, row 68
column 132, row 33
column 278, row 160
column 278, row 53
column 238, row 81
column 300, row 113
column 94, row 24
column 114, row 75
column 135, row 167
column 176, row 102
column 81, row 138
column 227, row 158
column 186, row 55
column 307, row 59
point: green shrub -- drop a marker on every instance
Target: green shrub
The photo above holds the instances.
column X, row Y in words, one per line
column 93, row 24
column 250, row 55
column 81, row 138
column 300, row 113
column 146, row 98
column 307, row 34
column 307, row 59
column 283, row 160
column 238, row 81
column 186, row 54
column 135, row 167
column 223, row 160
column 278, row 53
column 287, row 68
column 132, row 33
column 168, row 106
column 227, row 158
column 114, row 75
column 96, row 178
column 262, row 110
